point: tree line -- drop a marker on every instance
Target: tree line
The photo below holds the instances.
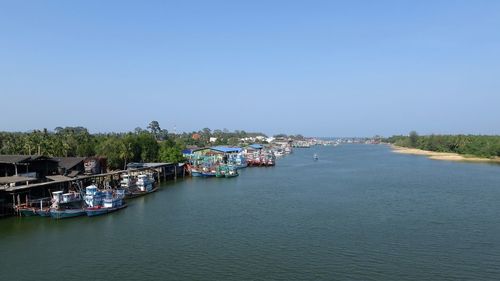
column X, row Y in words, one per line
column 153, row 144
column 474, row 145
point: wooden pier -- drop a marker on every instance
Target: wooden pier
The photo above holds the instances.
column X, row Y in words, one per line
column 12, row 196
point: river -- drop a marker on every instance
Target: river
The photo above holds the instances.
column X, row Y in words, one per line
column 360, row 212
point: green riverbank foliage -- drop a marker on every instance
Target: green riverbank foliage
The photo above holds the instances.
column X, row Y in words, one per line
column 473, row 145
column 151, row 145
column 118, row 148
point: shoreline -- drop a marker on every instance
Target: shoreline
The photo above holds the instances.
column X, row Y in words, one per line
column 443, row 156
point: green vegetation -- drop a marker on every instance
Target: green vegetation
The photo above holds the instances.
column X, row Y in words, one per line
column 473, row 145
column 152, row 145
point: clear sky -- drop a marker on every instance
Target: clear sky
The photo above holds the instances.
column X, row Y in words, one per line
column 320, row 68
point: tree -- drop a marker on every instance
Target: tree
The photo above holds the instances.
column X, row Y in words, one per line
column 149, row 147
column 170, row 153
column 138, row 130
column 126, row 152
column 154, row 126
column 413, row 139
column 109, row 148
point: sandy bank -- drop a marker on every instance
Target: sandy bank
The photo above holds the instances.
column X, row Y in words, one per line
column 442, row 155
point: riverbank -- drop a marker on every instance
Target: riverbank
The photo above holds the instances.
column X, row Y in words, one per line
column 444, row 156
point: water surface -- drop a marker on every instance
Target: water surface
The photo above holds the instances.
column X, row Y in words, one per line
column 359, row 213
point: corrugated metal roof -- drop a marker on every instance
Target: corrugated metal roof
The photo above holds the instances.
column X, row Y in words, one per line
column 226, row 149
column 69, row 162
column 256, row 146
column 10, row 159
column 15, row 179
column 14, row 159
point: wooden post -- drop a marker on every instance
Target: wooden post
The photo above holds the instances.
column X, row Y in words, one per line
column 175, row 172
column 159, row 177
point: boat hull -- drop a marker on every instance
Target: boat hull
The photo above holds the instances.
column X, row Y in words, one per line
column 43, row 213
column 27, row 212
column 136, row 194
column 196, row 174
column 69, row 213
column 92, row 212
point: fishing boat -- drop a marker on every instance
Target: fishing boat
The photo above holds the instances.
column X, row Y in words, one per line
column 204, row 171
column 44, row 212
column 238, row 161
column 111, row 201
column 43, row 208
column 208, row 174
column 221, row 171
column 66, row 205
column 315, row 156
column 93, row 196
column 127, row 181
column 67, row 213
column 145, row 184
column 196, row 173
column 226, row 171
column 33, row 207
column 231, row 173
column 26, row 211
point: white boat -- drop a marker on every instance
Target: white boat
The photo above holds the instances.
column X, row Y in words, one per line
column 112, row 201
column 127, row 181
column 145, row 183
column 66, row 205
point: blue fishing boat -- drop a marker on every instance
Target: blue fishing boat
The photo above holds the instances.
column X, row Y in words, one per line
column 93, row 196
column 208, row 174
column 238, row 161
column 196, row 173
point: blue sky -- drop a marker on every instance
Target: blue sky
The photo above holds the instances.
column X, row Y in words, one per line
column 320, row 68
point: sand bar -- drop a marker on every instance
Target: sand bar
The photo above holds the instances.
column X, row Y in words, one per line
column 445, row 156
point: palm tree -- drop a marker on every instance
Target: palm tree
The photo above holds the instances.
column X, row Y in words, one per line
column 126, row 153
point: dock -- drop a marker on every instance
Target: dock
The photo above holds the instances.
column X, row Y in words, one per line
column 12, row 196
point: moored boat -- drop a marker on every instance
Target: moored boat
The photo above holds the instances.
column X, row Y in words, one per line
column 66, row 205
column 26, row 211
column 145, row 184
column 127, row 181
column 231, row 173
column 44, row 212
column 33, row 207
column 226, row 171
column 113, row 201
column 66, row 213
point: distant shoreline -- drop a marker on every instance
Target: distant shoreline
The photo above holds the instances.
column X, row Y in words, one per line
column 443, row 156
